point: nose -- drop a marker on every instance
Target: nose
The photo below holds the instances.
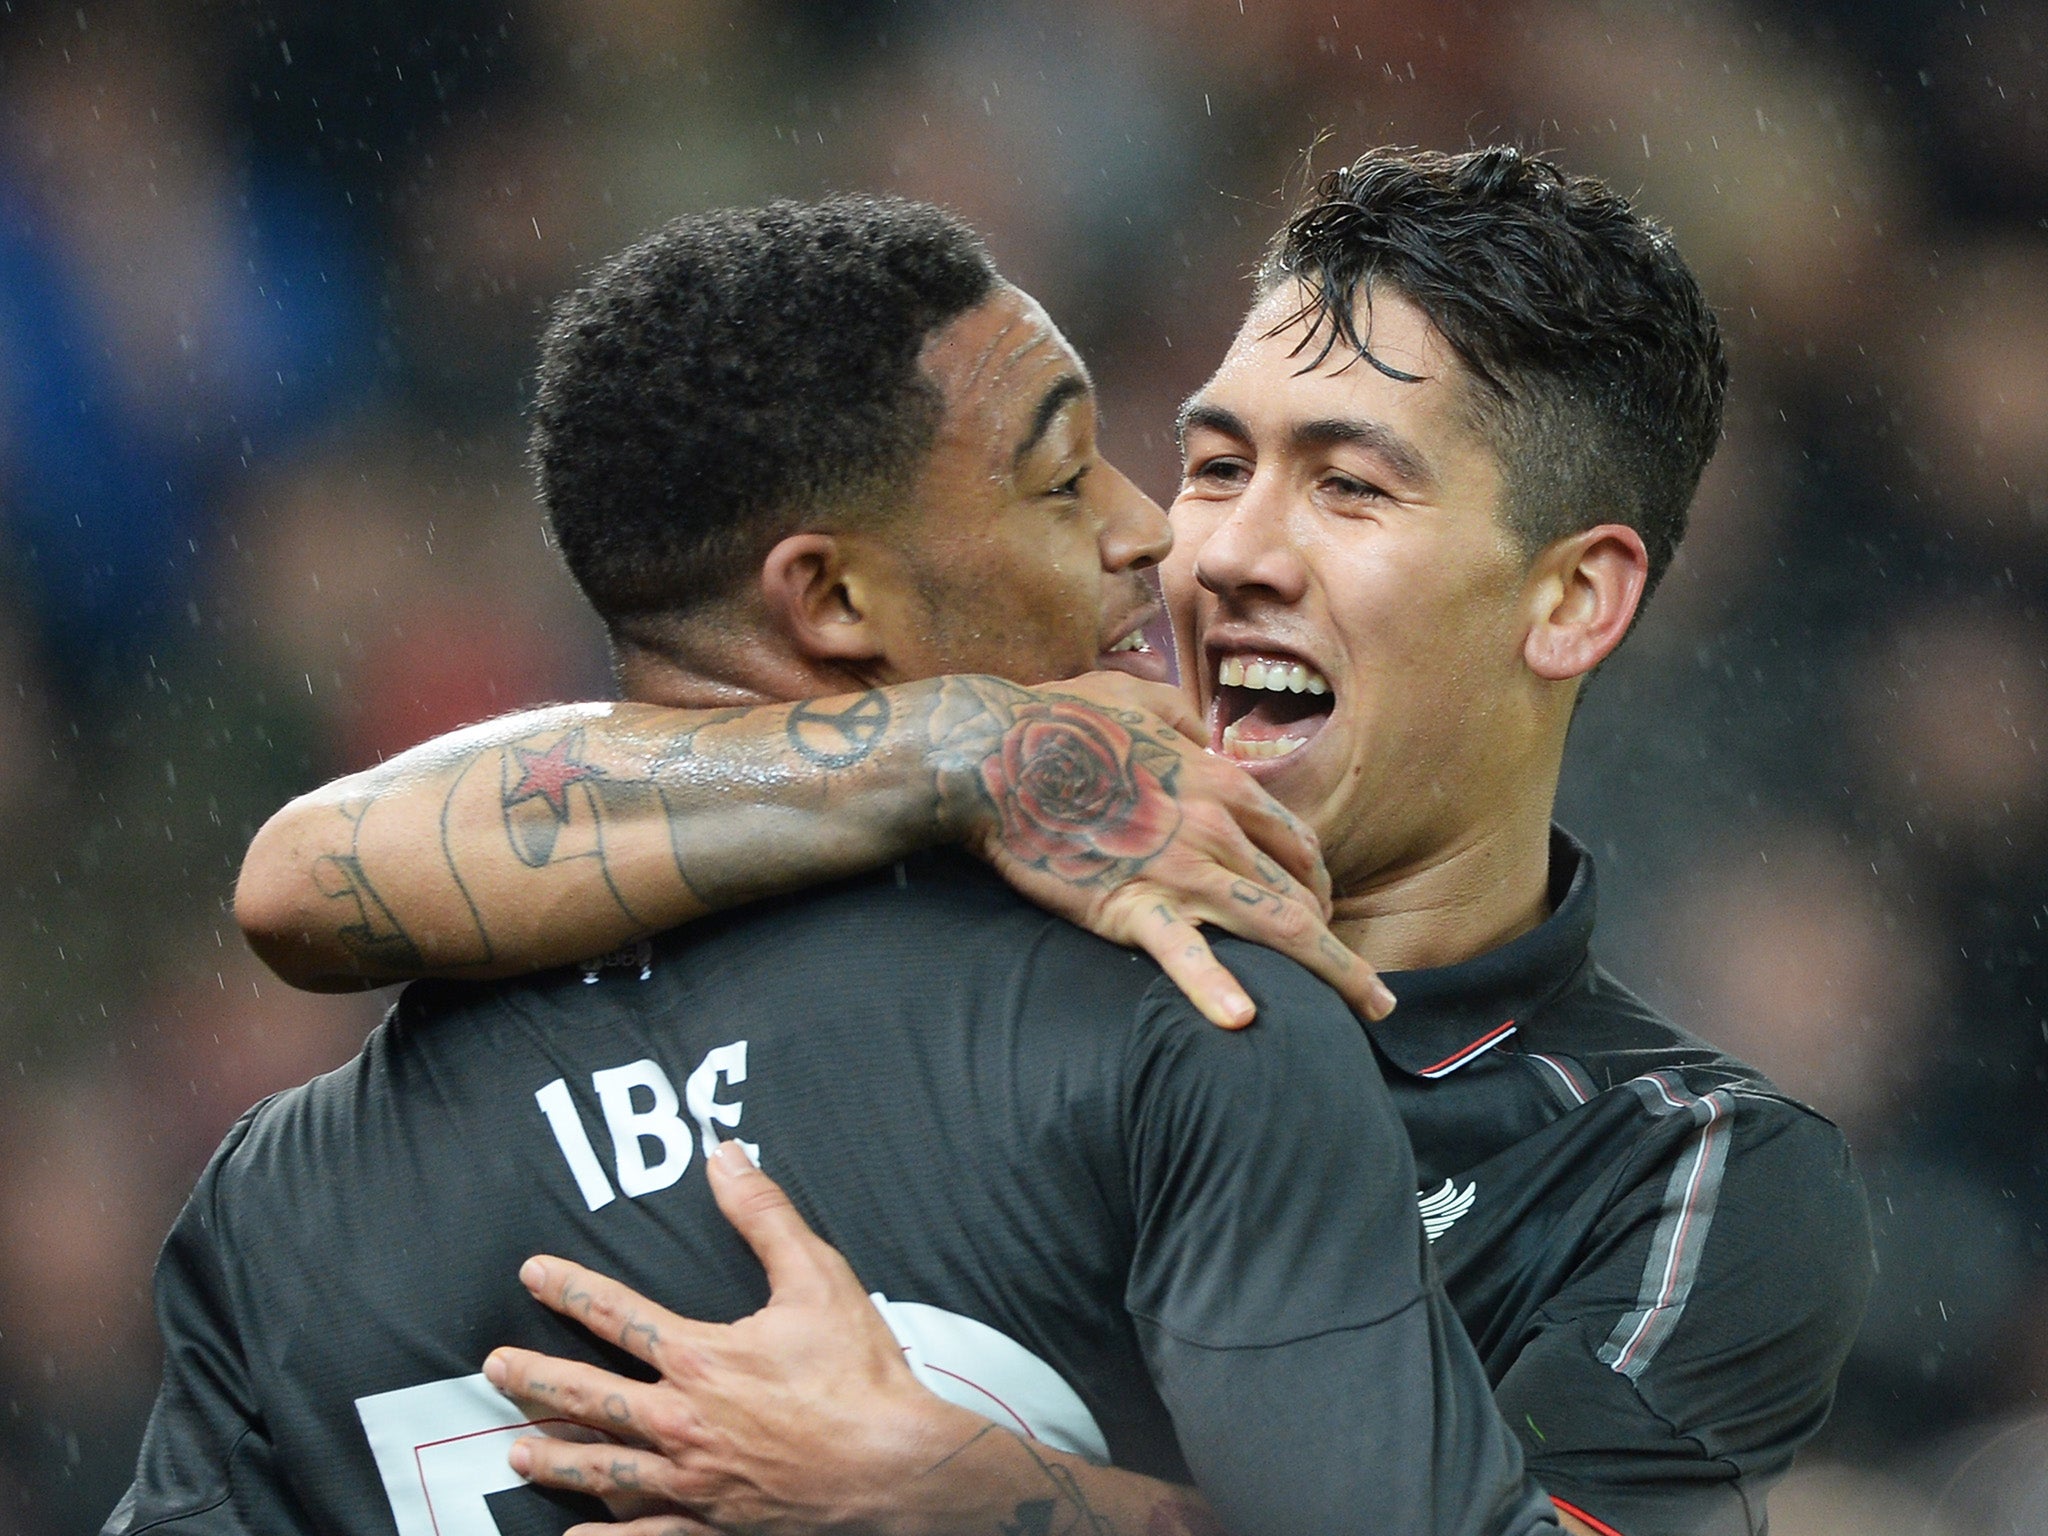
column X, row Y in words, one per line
column 1247, row 550
column 1135, row 535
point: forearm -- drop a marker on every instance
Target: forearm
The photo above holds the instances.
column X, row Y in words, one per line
column 561, row 833
column 1000, row 1483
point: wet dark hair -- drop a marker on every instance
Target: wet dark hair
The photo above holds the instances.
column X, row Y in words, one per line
column 735, row 377
column 1597, row 368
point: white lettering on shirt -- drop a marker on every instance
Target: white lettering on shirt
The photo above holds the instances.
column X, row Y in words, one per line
column 633, row 1128
column 651, row 1144
column 730, row 1063
column 555, row 1103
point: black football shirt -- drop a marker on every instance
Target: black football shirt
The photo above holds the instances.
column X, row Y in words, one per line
column 1661, row 1258
column 1083, row 1211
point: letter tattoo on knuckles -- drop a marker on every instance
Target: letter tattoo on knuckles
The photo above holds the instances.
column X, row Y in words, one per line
column 1246, row 894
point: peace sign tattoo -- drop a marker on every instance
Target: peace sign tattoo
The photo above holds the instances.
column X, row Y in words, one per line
column 838, row 734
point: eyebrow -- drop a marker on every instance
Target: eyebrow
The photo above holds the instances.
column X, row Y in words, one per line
column 1197, row 413
column 1402, row 457
column 1064, row 390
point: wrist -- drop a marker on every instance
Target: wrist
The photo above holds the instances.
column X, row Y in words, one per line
column 922, row 1477
column 966, row 719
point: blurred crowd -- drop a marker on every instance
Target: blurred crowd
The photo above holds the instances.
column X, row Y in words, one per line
column 270, row 277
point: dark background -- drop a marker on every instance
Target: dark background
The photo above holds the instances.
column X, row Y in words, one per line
column 270, row 276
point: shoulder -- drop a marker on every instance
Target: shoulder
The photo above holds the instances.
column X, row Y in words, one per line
column 1304, row 1057
column 1299, row 1014
column 1788, row 1207
column 285, row 1130
column 1263, row 1162
column 936, row 922
column 1624, row 1042
column 1680, row 1097
column 1626, row 1046
column 1618, row 1036
column 943, row 932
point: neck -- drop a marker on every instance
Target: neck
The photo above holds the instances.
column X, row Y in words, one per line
column 726, row 673
column 1461, row 900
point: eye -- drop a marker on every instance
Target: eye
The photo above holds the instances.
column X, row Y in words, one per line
column 1352, row 490
column 1219, row 471
column 1071, row 486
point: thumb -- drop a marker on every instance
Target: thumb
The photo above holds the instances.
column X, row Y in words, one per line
column 800, row 1264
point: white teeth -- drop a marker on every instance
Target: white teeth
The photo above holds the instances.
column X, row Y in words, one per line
column 1273, row 676
column 1236, row 746
column 1134, row 641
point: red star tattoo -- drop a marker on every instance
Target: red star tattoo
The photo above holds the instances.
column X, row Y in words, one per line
column 548, row 775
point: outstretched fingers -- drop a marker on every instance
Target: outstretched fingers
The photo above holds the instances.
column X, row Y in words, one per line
column 552, row 1388
column 1164, row 927
column 801, row 1265
column 1282, row 850
column 624, row 1477
column 1284, row 922
column 616, row 1313
column 1174, row 941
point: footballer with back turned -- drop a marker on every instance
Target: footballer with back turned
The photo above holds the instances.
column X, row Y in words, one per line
column 1425, row 494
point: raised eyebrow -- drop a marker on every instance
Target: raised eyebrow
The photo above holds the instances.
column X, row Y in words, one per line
column 1061, row 393
column 1402, row 456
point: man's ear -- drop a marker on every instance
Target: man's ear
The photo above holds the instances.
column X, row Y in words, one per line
column 1583, row 592
column 815, row 594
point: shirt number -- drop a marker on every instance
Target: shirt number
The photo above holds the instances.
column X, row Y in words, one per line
column 441, row 1448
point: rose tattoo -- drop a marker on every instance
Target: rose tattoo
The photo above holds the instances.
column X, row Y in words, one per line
column 1075, row 793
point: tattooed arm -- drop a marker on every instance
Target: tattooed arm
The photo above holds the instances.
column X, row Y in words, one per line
column 562, row 833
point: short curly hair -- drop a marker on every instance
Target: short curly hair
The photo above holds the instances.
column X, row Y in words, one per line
column 734, row 377
column 1598, row 365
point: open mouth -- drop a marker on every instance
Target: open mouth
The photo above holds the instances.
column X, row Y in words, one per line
column 1267, row 707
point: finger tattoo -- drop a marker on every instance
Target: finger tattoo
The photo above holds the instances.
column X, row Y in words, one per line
column 1250, row 895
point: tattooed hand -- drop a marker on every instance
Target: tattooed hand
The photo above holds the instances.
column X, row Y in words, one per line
column 1077, row 796
column 1095, row 798
column 801, row 1418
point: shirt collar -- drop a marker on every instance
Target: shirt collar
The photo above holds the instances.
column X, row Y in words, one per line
column 1454, row 1014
